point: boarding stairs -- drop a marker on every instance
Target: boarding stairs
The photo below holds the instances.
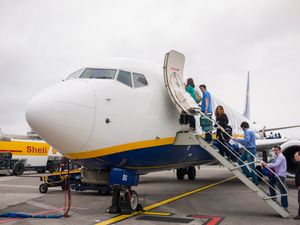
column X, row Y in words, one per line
column 173, row 79
column 193, row 138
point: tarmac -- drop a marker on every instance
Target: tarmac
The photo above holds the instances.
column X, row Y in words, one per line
column 215, row 197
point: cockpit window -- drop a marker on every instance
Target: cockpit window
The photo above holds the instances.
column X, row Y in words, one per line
column 76, row 74
column 98, row 73
column 125, row 77
column 139, row 80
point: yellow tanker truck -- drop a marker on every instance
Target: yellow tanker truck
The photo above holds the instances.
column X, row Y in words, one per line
column 16, row 156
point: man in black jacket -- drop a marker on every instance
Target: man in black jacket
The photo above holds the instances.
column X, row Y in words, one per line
column 297, row 182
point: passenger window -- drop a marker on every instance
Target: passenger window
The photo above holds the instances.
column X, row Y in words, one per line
column 125, row 78
column 139, row 80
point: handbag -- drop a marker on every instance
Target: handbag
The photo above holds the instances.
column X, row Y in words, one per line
column 227, row 136
column 205, row 123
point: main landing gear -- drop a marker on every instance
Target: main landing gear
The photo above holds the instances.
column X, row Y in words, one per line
column 124, row 201
column 190, row 171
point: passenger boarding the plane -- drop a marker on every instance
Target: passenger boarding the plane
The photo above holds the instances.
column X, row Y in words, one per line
column 222, row 137
column 297, row 181
column 249, row 143
column 206, row 107
column 279, row 166
column 190, row 85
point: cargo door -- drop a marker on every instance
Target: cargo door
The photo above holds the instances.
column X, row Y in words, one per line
column 173, row 77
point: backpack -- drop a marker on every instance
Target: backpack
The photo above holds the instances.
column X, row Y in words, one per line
column 205, row 123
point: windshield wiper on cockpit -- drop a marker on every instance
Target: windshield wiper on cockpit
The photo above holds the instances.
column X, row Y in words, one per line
column 104, row 77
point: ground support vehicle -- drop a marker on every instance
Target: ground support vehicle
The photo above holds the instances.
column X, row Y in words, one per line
column 70, row 179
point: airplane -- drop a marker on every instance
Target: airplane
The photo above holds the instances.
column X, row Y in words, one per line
column 119, row 120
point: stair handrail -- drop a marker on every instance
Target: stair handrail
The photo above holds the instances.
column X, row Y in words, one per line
column 260, row 175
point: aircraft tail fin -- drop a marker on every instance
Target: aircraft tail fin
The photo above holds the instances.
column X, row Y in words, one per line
column 247, row 103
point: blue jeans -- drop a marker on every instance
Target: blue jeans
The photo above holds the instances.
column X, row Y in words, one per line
column 250, row 159
column 234, row 154
column 274, row 180
column 208, row 137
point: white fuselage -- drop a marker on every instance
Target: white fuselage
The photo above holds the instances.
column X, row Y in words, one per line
column 72, row 115
column 82, row 117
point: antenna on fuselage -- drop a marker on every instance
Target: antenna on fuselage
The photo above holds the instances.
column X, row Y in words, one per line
column 247, row 103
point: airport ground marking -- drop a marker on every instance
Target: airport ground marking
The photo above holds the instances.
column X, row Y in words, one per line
column 160, row 203
column 166, row 219
column 157, row 213
column 212, row 220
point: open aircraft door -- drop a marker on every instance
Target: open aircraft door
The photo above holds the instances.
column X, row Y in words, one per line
column 173, row 76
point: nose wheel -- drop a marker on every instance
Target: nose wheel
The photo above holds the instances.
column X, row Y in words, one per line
column 124, row 201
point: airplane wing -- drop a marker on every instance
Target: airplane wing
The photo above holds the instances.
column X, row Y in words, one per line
column 263, row 144
column 278, row 128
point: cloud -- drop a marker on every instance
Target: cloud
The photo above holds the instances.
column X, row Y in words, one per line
column 42, row 42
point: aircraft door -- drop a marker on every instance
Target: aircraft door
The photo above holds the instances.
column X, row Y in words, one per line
column 173, row 77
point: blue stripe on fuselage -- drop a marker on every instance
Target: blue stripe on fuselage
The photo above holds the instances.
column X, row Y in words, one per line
column 152, row 159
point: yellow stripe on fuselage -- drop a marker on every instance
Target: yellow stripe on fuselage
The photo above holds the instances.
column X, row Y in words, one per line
column 120, row 148
column 125, row 147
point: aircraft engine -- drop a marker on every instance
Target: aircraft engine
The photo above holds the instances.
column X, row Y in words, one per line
column 288, row 149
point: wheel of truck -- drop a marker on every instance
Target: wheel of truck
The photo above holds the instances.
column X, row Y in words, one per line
column 43, row 188
column 19, row 169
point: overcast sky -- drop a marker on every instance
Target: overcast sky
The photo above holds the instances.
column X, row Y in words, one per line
column 41, row 42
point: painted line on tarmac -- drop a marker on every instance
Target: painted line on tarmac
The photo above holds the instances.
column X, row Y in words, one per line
column 157, row 213
column 163, row 202
column 165, row 219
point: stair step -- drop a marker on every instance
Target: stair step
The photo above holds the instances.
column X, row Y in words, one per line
column 213, row 150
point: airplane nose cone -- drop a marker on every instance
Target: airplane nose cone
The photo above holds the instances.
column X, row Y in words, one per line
column 63, row 115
